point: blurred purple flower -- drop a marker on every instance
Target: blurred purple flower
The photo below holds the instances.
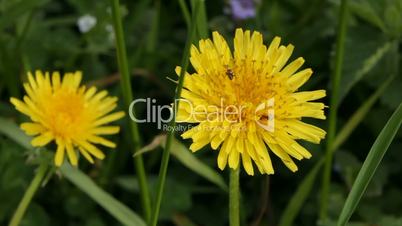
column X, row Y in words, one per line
column 242, row 9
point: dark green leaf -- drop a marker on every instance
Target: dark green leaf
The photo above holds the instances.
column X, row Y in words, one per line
column 362, row 56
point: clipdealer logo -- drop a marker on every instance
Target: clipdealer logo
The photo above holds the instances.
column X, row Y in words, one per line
column 163, row 114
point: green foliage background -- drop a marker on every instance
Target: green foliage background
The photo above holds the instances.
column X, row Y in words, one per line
column 43, row 34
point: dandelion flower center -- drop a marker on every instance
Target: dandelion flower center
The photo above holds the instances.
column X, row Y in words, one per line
column 65, row 111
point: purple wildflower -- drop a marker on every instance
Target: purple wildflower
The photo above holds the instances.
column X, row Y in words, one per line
column 242, row 9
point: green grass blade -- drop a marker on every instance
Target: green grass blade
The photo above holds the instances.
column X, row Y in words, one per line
column 127, row 92
column 201, row 20
column 370, row 165
column 189, row 160
column 186, row 13
column 166, row 152
column 333, row 107
column 300, row 196
column 359, row 115
column 119, row 211
column 12, row 131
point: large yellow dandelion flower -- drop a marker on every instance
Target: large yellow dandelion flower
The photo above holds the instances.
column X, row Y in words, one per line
column 247, row 105
column 69, row 114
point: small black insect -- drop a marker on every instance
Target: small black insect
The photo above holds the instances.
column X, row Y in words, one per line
column 230, row 74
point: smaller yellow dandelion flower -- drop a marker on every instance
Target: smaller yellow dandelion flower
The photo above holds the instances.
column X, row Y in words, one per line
column 69, row 114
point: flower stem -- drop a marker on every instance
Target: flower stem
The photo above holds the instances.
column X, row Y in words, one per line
column 333, row 107
column 234, row 197
column 29, row 193
column 166, row 151
column 128, row 96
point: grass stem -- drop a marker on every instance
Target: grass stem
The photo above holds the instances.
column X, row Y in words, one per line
column 166, row 151
column 128, row 97
column 333, row 107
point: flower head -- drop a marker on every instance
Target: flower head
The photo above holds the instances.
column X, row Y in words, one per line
column 246, row 103
column 69, row 114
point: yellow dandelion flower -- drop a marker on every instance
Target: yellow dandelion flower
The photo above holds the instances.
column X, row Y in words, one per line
column 247, row 105
column 69, row 114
